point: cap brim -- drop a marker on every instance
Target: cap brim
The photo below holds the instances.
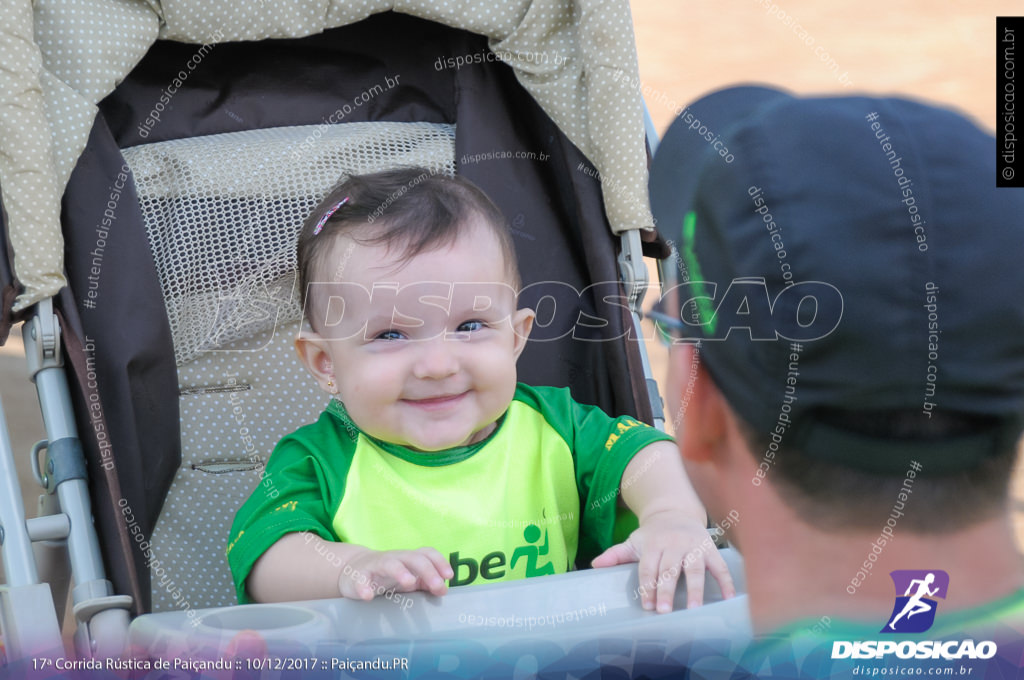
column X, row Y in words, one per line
column 684, row 149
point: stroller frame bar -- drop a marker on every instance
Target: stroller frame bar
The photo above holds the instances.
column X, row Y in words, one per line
column 102, row 616
column 65, row 462
column 19, row 566
column 28, row 619
column 635, row 280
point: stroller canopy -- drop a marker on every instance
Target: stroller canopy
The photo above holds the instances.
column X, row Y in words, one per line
column 61, row 57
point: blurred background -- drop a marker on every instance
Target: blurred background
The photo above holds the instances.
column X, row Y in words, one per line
column 942, row 52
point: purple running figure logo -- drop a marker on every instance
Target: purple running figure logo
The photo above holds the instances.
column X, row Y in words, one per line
column 914, row 609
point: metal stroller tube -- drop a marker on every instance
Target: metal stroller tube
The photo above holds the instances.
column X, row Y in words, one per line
column 28, row 621
column 635, row 280
column 19, row 566
column 101, row 615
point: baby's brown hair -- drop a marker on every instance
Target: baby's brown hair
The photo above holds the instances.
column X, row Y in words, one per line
column 411, row 209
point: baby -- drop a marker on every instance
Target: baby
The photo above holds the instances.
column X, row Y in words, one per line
column 430, row 463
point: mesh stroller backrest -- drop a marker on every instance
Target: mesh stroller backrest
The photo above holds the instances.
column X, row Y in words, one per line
column 223, row 241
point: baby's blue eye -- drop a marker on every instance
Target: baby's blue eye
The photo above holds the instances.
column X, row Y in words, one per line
column 390, row 334
column 470, row 326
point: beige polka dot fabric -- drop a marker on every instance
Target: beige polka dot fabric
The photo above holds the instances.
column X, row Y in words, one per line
column 60, row 57
column 28, row 181
column 236, row 404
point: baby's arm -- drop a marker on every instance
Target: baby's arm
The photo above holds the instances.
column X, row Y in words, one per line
column 672, row 532
column 303, row 566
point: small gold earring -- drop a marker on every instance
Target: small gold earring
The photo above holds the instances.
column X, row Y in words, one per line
column 330, row 383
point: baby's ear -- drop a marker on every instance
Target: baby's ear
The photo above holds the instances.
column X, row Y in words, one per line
column 312, row 351
column 522, row 324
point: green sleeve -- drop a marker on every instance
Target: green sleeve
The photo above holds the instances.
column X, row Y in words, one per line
column 298, row 492
column 602, row 447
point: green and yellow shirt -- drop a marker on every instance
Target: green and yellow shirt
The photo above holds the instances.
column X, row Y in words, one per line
column 526, row 501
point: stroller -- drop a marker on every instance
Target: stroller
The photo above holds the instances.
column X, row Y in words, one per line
column 163, row 362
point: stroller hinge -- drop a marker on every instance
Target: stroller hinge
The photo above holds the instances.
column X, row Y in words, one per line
column 44, row 329
column 632, row 268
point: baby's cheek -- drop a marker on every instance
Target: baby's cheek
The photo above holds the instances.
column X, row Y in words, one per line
column 501, row 389
column 369, row 416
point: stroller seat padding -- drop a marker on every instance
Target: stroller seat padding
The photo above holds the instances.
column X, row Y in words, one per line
column 235, row 406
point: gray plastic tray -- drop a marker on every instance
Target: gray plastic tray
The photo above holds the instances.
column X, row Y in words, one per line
column 553, row 613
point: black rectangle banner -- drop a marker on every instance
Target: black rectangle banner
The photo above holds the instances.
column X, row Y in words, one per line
column 1009, row 153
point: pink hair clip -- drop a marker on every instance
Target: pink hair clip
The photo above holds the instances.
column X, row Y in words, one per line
column 323, row 220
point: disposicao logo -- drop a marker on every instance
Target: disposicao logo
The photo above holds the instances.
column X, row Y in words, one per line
column 914, row 612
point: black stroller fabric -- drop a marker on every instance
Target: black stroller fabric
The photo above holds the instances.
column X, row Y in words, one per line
column 9, row 287
column 554, row 208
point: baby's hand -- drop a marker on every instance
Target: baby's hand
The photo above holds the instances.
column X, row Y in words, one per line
column 374, row 572
column 663, row 543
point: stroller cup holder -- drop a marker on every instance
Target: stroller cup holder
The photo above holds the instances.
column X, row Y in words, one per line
column 282, row 620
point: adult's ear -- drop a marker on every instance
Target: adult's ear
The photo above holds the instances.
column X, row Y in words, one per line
column 700, row 417
column 312, row 351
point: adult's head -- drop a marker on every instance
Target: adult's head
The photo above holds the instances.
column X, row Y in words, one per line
column 853, row 275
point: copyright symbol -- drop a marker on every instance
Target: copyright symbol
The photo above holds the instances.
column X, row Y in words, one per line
column 1007, row 173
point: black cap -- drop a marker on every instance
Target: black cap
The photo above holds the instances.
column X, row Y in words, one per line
column 852, row 254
